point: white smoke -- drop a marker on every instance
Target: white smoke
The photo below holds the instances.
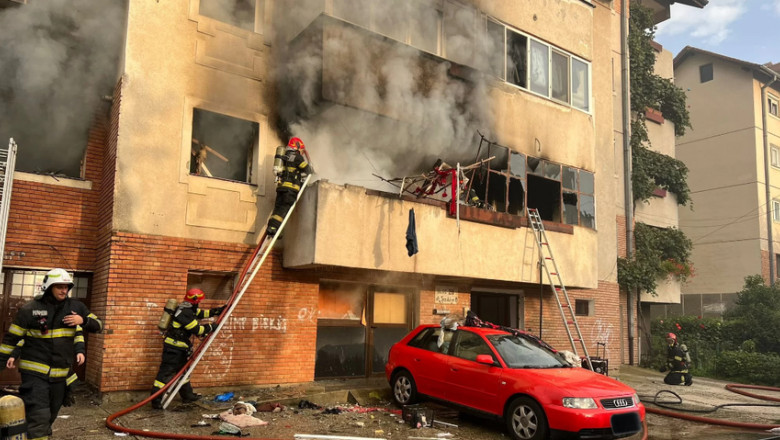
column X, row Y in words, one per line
column 57, row 59
column 429, row 114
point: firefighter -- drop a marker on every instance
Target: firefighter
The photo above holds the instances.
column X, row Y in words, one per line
column 177, row 346
column 290, row 167
column 46, row 336
column 677, row 363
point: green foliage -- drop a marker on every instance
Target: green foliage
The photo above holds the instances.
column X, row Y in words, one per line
column 756, row 316
column 702, row 336
column 648, row 90
column 660, row 252
column 751, row 368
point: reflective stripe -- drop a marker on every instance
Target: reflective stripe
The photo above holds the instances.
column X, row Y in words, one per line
column 39, row 438
column 59, row 372
column 95, row 318
column 277, row 217
column 176, row 324
column 56, row 333
column 175, row 343
column 6, row 349
column 78, row 339
column 191, row 325
column 158, row 384
column 16, row 330
column 34, row 366
column 291, row 185
column 303, row 165
column 72, row 378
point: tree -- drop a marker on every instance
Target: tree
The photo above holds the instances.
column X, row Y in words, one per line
column 756, row 316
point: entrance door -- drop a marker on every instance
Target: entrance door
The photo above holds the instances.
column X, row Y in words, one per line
column 498, row 308
column 388, row 323
column 356, row 326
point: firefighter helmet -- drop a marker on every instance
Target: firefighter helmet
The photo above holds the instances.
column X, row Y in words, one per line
column 671, row 336
column 57, row 276
column 296, row 143
column 194, row 296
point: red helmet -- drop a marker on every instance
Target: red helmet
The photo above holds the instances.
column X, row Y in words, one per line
column 671, row 336
column 296, row 143
column 194, row 296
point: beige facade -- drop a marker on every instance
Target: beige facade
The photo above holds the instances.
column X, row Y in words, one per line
column 724, row 152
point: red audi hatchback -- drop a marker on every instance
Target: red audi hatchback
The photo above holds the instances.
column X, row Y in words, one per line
column 514, row 377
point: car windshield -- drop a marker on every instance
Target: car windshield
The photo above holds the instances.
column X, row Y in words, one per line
column 519, row 352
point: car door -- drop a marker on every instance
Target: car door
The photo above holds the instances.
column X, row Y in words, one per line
column 470, row 383
column 429, row 364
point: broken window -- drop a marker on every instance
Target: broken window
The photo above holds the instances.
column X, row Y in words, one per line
column 577, row 197
column 223, row 147
column 239, row 13
column 545, row 196
column 341, row 332
column 216, row 285
column 587, row 201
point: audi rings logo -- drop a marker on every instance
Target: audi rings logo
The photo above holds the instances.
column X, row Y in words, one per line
column 622, row 403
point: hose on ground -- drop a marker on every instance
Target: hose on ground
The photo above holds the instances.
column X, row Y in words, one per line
column 667, row 406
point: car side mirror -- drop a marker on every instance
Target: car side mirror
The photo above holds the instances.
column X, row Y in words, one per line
column 485, row 359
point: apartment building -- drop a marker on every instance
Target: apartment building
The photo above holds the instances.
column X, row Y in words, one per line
column 373, row 89
column 732, row 153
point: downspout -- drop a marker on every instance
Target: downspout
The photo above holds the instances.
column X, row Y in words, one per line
column 629, row 198
column 767, row 156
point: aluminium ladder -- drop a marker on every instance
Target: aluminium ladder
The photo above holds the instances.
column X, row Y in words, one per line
column 264, row 248
column 7, row 165
column 556, row 282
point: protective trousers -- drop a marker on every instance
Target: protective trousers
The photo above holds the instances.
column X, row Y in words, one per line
column 42, row 402
column 678, row 378
column 284, row 200
column 173, row 360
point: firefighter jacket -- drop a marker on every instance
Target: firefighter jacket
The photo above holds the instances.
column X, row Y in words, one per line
column 676, row 359
column 186, row 323
column 293, row 168
column 43, row 344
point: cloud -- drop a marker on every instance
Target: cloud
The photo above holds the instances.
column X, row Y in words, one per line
column 709, row 26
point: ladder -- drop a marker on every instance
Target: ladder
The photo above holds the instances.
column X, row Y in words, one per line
column 262, row 251
column 7, row 166
column 547, row 261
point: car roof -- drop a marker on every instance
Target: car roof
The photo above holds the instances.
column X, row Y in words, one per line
column 479, row 330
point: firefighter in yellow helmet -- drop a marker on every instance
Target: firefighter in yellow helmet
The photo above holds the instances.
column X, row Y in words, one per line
column 46, row 337
column 177, row 346
column 290, row 167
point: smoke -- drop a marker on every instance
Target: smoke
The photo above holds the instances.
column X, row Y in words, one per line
column 57, row 59
column 385, row 108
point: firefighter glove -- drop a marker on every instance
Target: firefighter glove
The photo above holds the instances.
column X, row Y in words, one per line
column 68, row 398
column 216, row 311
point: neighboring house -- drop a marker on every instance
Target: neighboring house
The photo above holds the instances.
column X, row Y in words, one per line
column 370, row 90
column 727, row 159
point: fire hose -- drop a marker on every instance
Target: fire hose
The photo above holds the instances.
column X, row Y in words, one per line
column 666, row 407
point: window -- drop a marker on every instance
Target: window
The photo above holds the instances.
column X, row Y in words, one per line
column 239, row 13
column 468, row 345
column 775, row 154
column 772, row 105
column 27, row 284
column 223, row 147
column 776, row 210
column 537, row 66
column 705, row 73
column 777, row 265
column 216, row 285
column 583, row 307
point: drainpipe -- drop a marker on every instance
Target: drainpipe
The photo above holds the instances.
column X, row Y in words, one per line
column 629, row 197
column 767, row 156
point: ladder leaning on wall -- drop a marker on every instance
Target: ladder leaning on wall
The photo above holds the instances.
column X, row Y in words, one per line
column 7, row 165
column 546, row 260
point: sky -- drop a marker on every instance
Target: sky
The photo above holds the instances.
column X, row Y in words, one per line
column 742, row 29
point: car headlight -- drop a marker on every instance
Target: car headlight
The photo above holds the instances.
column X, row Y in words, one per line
column 636, row 399
column 579, row 402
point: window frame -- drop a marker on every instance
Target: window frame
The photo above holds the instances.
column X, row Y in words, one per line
column 705, row 74
column 774, row 154
column 776, row 210
column 772, row 105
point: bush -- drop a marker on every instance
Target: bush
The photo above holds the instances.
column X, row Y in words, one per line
column 751, row 368
column 702, row 336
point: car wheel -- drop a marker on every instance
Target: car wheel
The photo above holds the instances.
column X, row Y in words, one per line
column 525, row 420
column 404, row 389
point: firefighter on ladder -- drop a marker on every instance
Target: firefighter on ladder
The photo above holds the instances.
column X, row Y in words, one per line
column 290, row 166
column 46, row 337
column 177, row 346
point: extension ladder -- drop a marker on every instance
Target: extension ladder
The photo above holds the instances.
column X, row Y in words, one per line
column 7, row 165
column 546, row 260
column 262, row 251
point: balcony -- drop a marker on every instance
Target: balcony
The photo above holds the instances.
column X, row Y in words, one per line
column 351, row 227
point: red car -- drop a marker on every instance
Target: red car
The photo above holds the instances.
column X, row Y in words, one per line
column 514, row 377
